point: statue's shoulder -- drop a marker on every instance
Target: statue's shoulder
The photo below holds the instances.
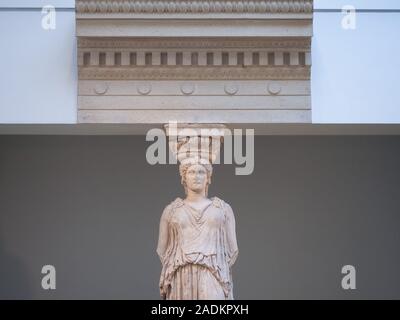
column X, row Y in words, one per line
column 170, row 208
column 220, row 203
column 178, row 202
column 225, row 207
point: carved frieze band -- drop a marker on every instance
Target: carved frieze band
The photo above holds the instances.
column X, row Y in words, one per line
column 194, row 6
column 209, row 43
column 196, row 73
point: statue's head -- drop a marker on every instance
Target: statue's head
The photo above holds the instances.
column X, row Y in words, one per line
column 195, row 175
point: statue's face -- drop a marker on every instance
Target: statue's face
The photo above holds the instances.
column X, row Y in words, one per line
column 196, row 178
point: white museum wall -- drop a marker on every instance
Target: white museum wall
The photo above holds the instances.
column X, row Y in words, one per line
column 353, row 77
column 355, row 72
column 38, row 77
column 36, row 3
column 359, row 4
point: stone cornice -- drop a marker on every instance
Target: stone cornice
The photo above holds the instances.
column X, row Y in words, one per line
column 194, row 6
column 225, row 61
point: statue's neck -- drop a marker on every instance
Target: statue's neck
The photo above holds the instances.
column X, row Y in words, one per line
column 195, row 197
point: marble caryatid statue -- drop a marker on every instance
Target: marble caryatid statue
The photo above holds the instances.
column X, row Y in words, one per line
column 197, row 240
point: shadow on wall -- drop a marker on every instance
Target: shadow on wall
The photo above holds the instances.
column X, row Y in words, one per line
column 14, row 276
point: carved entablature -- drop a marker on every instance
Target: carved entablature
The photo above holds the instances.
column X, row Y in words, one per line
column 195, row 61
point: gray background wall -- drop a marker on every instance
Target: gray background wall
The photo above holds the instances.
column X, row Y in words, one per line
column 90, row 206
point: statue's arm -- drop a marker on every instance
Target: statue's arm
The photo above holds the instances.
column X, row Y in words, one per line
column 233, row 250
column 163, row 233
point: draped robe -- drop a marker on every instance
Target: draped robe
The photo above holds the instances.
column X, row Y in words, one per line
column 197, row 250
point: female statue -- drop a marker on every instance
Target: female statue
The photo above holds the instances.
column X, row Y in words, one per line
column 197, row 240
